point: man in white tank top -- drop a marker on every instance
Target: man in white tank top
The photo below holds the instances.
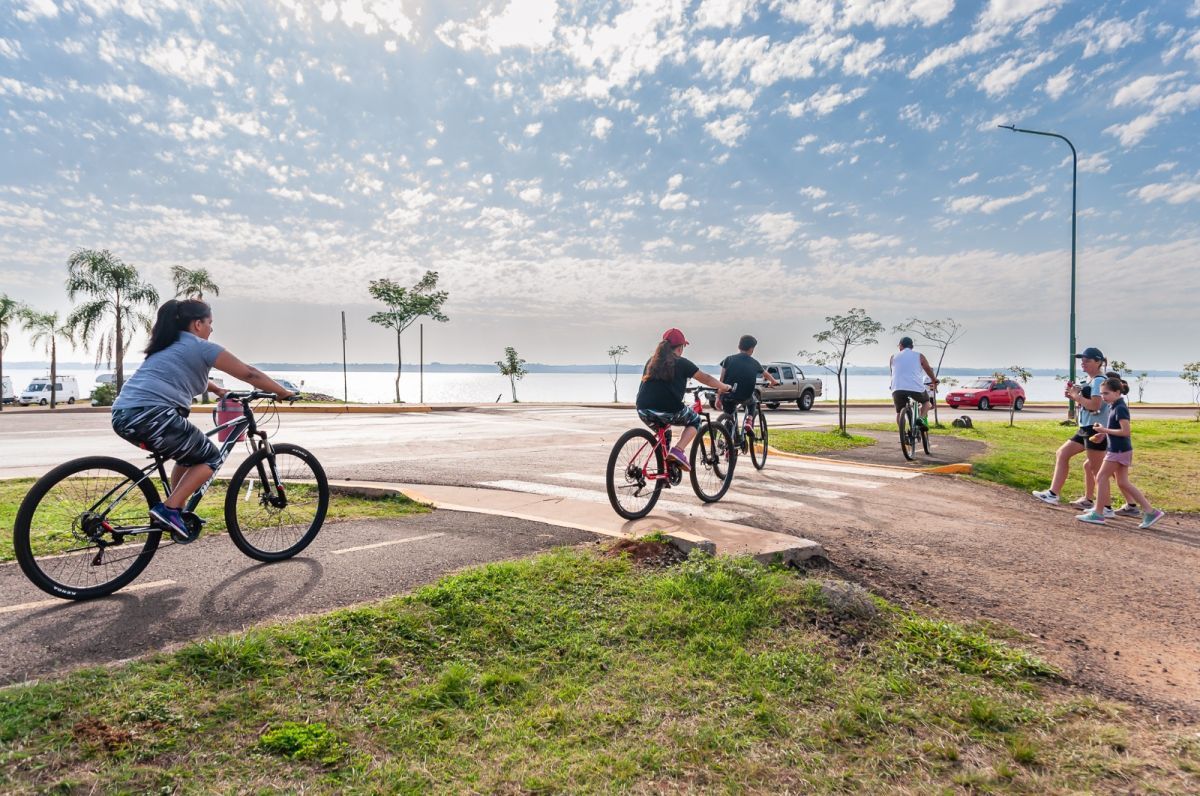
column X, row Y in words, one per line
column 910, row 374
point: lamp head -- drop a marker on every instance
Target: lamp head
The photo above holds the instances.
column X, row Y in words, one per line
column 1012, row 127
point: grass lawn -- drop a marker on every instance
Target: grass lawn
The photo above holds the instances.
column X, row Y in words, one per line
column 212, row 508
column 797, row 441
column 574, row 672
column 1166, row 458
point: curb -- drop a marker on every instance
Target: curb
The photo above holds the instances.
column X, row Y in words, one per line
column 960, row 468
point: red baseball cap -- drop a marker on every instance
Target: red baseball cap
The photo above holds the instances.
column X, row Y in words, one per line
column 675, row 337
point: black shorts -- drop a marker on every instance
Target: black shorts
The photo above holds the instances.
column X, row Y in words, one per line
column 1084, row 437
column 900, row 398
column 165, row 430
column 684, row 416
column 729, row 405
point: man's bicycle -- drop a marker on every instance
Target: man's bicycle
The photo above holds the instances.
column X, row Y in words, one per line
column 639, row 470
column 84, row 530
column 912, row 433
column 748, row 436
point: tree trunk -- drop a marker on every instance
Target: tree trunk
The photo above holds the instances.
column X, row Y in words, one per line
column 1012, row 409
column 512, row 380
column 616, row 371
column 846, row 402
column 53, row 371
column 119, row 346
column 2, row 371
column 399, row 364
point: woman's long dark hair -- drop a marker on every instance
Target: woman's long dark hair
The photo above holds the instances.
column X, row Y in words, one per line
column 661, row 366
column 174, row 317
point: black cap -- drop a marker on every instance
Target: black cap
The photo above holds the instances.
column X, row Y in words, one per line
column 1091, row 352
column 906, row 342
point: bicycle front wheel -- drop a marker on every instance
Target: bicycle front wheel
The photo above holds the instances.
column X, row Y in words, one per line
column 758, row 443
column 635, row 474
column 276, row 502
column 713, row 460
column 908, row 438
column 84, row 531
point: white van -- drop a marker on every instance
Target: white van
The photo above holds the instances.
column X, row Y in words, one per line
column 38, row 392
column 6, row 391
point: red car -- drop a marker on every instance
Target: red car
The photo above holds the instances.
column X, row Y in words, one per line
column 986, row 393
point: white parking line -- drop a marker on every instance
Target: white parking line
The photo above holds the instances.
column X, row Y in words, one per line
column 9, row 609
column 385, row 544
column 571, row 493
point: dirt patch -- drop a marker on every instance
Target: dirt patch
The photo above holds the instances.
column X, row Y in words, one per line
column 646, row 552
column 886, row 450
column 95, row 732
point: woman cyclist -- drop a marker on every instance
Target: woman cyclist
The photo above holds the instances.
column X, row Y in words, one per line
column 660, row 396
column 153, row 406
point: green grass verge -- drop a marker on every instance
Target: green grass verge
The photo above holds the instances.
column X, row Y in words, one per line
column 797, row 441
column 1166, row 457
column 212, row 508
column 578, row 673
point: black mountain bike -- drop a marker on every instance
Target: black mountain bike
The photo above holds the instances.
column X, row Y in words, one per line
column 911, row 432
column 747, row 437
column 84, row 530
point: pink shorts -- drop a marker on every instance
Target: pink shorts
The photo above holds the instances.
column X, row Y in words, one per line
column 1120, row 457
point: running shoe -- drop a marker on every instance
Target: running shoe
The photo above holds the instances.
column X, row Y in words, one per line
column 1090, row 517
column 171, row 520
column 1128, row 510
column 679, row 457
column 1109, row 514
column 1046, row 496
column 1151, row 518
column 1084, row 502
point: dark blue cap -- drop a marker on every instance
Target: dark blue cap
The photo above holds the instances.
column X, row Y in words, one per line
column 1091, row 352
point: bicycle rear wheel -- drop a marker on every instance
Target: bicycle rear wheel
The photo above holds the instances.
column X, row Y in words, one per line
column 276, row 502
column 713, row 459
column 758, row 442
column 908, row 440
column 84, row 531
column 635, row 474
column 925, row 440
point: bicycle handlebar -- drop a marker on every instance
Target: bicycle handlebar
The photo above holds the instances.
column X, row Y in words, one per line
column 254, row 395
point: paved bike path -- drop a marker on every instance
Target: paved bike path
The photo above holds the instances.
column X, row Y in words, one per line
column 208, row 588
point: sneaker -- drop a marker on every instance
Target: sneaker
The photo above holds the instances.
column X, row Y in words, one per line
column 1151, row 518
column 1084, row 502
column 1109, row 513
column 170, row 519
column 679, row 457
column 1090, row 517
column 922, row 423
column 1047, row 496
column 1128, row 510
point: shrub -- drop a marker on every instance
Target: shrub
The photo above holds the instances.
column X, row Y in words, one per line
column 104, row 395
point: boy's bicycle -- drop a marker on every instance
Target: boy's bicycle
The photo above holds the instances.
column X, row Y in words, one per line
column 748, row 437
column 912, row 432
column 84, row 530
column 638, row 467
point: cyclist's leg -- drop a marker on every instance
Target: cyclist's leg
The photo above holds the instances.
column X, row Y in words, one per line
column 900, row 401
column 687, row 418
column 168, row 434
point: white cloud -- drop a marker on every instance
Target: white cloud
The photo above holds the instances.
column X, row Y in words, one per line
column 531, row 130
column 776, row 228
column 705, row 104
column 1174, row 193
column 722, row 13
column 1006, row 12
column 1057, row 85
column 10, row 48
column 864, row 59
column 111, row 92
column 967, row 180
column 189, row 60
column 32, row 10
column 1093, row 164
column 674, row 201
column 813, row 192
column 825, row 102
column 1009, row 73
column 601, row 127
column 973, row 44
column 804, row 141
column 1165, row 95
column 895, row 13
column 1131, row 133
column 1142, row 89
column 1105, row 38
column 674, row 181
column 988, row 204
column 922, row 121
column 525, row 24
column 15, row 88
column 729, row 131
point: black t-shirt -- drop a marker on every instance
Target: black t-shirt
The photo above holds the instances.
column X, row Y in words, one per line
column 742, row 370
column 1119, row 412
column 666, row 396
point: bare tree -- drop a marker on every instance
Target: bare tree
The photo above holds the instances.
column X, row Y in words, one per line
column 404, row 306
column 845, row 333
column 942, row 333
column 1006, row 377
column 615, row 353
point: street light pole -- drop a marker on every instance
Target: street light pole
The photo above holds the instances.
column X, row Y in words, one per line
column 1074, row 193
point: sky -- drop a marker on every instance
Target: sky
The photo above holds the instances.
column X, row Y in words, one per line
column 586, row 174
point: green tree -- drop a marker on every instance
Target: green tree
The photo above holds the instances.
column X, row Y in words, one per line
column 1118, row 366
column 1007, row 377
column 404, row 306
column 514, row 367
column 10, row 313
column 845, row 333
column 942, row 333
column 1191, row 374
column 115, row 291
column 192, row 282
column 615, row 353
column 45, row 330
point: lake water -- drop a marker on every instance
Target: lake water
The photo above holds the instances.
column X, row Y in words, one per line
column 374, row 387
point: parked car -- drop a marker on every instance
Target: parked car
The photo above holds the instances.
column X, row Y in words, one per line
column 289, row 384
column 6, row 391
column 986, row 393
column 38, row 392
column 793, row 386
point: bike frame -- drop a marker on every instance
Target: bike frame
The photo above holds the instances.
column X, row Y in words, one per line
column 661, row 441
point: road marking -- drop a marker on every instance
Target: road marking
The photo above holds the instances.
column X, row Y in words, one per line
column 589, row 496
column 760, row 500
column 9, row 609
column 795, row 489
column 385, row 544
column 874, row 472
column 795, row 478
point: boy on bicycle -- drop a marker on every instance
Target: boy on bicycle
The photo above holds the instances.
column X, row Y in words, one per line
column 743, row 370
column 912, row 377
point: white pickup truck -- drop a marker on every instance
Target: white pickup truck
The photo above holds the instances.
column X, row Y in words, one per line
column 793, row 386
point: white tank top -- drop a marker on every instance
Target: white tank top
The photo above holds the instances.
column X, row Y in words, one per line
column 907, row 373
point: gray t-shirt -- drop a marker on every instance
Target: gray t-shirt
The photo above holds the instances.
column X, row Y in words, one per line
column 1087, row 418
column 171, row 377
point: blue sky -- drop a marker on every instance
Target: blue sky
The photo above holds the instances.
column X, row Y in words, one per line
column 584, row 174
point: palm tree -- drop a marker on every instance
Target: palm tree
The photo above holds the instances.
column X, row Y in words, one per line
column 44, row 329
column 10, row 312
column 116, row 291
column 192, row 282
